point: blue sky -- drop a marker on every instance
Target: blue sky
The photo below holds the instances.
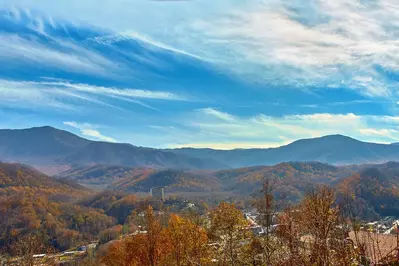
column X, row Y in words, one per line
column 220, row 74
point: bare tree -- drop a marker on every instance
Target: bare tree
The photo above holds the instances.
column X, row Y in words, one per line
column 266, row 205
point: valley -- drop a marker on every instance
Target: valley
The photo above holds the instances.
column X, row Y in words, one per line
column 103, row 198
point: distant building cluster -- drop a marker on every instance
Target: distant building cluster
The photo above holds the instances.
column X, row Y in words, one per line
column 158, row 193
column 387, row 225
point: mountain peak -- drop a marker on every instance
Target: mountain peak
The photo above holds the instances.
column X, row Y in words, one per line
column 328, row 139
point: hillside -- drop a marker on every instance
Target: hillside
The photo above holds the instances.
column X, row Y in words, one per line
column 33, row 203
column 97, row 176
column 172, row 180
column 289, row 178
column 17, row 178
column 373, row 190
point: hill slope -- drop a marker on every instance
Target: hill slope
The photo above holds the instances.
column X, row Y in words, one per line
column 291, row 178
column 172, row 180
column 31, row 202
column 374, row 189
column 17, row 178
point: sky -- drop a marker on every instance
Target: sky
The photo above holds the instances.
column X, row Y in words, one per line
column 219, row 74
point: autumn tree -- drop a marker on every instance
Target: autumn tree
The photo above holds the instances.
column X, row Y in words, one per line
column 116, row 254
column 29, row 245
column 320, row 219
column 227, row 224
column 150, row 247
column 188, row 242
column 289, row 232
column 252, row 251
column 110, row 234
column 313, row 231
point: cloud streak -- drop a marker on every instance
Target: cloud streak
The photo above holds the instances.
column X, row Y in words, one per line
column 130, row 93
column 53, row 94
column 89, row 130
column 63, row 55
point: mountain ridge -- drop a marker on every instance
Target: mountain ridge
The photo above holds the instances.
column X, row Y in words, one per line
column 47, row 147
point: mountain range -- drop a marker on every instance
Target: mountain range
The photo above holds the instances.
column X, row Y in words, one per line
column 53, row 151
column 332, row 149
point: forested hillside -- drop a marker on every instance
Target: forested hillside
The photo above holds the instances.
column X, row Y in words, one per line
column 52, row 212
column 172, row 180
column 374, row 190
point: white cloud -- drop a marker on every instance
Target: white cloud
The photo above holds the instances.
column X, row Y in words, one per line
column 217, row 114
column 386, row 133
column 201, row 129
column 89, row 130
column 322, row 43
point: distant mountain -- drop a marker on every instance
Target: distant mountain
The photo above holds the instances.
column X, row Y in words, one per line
column 53, row 151
column 38, row 144
column 105, row 153
column 333, row 149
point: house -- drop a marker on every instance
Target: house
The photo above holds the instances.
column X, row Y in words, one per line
column 39, row 256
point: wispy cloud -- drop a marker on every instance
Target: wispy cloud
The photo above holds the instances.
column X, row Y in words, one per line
column 89, row 130
column 217, row 114
column 62, row 55
column 146, row 41
column 25, row 95
column 54, row 93
column 307, row 43
column 127, row 92
column 297, row 44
